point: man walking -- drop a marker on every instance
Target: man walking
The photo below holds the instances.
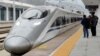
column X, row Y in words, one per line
column 85, row 23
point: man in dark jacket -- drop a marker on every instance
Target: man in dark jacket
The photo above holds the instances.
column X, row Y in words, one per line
column 85, row 23
column 93, row 23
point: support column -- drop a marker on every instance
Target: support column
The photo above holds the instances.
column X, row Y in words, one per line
column 20, row 12
column 0, row 14
column 14, row 11
column 7, row 14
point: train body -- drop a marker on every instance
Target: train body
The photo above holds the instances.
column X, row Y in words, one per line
column 37, row 25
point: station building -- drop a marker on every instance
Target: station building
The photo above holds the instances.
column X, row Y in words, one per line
column 10, row 10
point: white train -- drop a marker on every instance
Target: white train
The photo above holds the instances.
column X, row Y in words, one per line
column 37, row 25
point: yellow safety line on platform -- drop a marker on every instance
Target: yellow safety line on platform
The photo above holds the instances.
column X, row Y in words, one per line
column 66, row 48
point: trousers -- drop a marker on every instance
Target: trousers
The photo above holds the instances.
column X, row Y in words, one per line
column 86, row 32
column 93, row 30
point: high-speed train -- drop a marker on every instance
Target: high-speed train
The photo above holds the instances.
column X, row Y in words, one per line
column 37, row 25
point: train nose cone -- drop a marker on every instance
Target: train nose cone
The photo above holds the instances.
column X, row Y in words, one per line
column 17, row 45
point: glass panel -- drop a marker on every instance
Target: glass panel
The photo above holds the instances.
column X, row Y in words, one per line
column 3, row 13
column 10, row 13
column 68, row 21
column 44, row 14
column 34, row 14
column 54, row 24
column 0, row 13
column 17, row 13
column 58, row 21
column 63, row 20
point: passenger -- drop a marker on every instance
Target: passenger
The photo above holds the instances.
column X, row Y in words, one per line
column 89, row 19
column 85, row 24
column 93, row 23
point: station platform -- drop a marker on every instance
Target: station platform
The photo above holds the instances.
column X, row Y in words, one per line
column 88, row 46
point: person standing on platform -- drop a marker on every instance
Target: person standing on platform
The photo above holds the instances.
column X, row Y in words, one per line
column 93, row 23
column 85, row 23
column 89, row 19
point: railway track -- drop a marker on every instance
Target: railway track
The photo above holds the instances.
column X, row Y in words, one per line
column 4, row 29
column 2, row 37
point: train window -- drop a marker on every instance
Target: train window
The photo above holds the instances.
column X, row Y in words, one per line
column 44, row 14
column 54, row 24
column 63, row 20
column 58, row 23
column 32, row 14
column 77, row 18
column 71, row 20
column 67, row 21
column 74, row 19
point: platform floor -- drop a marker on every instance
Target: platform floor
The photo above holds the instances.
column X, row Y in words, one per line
column 88, row 46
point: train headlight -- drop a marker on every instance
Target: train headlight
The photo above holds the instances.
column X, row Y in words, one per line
column 17, row 23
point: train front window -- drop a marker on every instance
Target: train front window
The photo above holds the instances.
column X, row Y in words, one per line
column 32, row 14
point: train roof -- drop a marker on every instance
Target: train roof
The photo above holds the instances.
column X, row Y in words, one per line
column 52, row 9
column 43, row 8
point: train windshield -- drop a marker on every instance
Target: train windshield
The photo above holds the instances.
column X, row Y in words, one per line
column 32, row 14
